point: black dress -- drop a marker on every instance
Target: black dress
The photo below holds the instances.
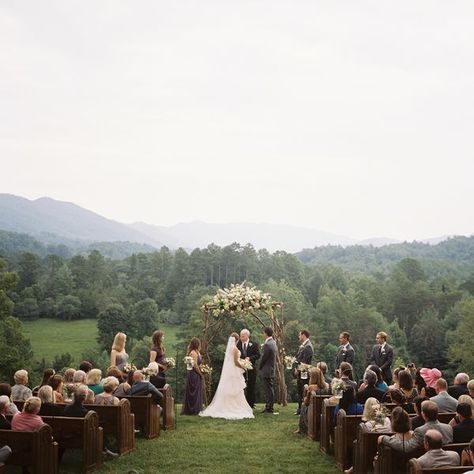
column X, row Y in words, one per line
column 159, row 380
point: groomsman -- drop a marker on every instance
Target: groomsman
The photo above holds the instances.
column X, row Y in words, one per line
column 303, row 356
column 382, row 356
column 249, row 350
column 267, row 368
column 345, row 352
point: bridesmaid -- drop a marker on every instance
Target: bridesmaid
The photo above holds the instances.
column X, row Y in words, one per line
column 157, row 354
column 194, row 393
column 118, row 356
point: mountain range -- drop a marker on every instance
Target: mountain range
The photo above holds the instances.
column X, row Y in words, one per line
column 53, row 221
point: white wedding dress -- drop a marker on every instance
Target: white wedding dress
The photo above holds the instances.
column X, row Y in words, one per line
column 229, row 400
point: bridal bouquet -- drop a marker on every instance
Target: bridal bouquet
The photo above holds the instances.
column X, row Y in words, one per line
column 246, row 364
column 205, row 369
column 170, row 362
column 128, row 368
column 380, row 415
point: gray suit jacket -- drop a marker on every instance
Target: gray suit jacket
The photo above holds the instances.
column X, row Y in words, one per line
column 305, row 353
column 345, row 355
column 418, row 436
column 268, row 360
column 439, row 458
column 445, row 402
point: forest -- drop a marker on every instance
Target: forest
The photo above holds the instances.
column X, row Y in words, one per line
column 421, row 295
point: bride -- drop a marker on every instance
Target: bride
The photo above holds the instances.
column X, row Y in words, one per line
column 229, row 400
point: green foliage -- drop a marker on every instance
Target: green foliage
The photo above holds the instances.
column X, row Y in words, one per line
column 145, row 319
column 112, row 320
column 62, row 361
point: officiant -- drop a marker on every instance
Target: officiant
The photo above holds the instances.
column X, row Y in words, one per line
column 249, row 350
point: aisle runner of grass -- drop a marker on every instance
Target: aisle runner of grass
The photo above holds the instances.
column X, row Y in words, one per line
column 202, row 445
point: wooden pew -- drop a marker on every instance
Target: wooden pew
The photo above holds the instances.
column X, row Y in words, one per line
column 34, row 450
column 314, row 416
column 344, row 435
column 169, row 422
column 147, row 415
column 119, row 422
column 327, row 427
column 415, row 468
column 80, row 433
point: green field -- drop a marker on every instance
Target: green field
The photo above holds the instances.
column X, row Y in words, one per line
column 51, row 337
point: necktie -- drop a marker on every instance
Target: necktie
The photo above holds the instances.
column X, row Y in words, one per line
column 245, row 349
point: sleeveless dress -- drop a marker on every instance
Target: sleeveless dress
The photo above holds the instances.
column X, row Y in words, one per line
column 160, row 359
column 121, row 360
column 193, row 395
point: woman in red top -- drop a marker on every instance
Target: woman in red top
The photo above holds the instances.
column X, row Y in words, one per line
column 28, row 419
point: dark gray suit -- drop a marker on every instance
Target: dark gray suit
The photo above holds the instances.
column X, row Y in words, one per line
column 267, row 370
column 383, row 359
column 345, row 354
column 303, row 356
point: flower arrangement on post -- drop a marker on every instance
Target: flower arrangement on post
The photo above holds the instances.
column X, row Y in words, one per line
column 189, row 361
column 170, row 362
column 205, row 369
column 289, row 361
column 304, row 369
column 337, row 387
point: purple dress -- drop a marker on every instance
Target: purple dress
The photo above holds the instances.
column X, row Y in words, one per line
column 160, row 359
column 193, row 395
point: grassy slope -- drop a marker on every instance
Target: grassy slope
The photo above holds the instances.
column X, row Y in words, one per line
column 50, row 337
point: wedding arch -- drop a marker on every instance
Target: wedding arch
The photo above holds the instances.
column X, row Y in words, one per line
column 237, row 301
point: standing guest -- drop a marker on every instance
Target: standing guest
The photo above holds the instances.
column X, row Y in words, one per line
column 435, row 456
column 118, row 355
column 318, row 386
column 460, row 386
column 367, row 389
column 369, row 417
column 405, row 383
column 5, row 389
column 249, row 350
column 348, row 403
column 382, row 356
column 194, row 391
column 4, row 406
column 324, row 369
column 303, row 356
column 463, row 432
column 28, row 419
column 48, row 406
column 446, row 403
column 20, row 391
column 267, row 369
column 157, row 354
column 85, row 366
column 76, row 408
column 417, row 420
column 107, row 397
column 57, row 384
column 47, row 374
column 93, row 381
column 345, row 352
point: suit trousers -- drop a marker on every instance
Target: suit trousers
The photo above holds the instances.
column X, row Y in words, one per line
column 251, row 377
column 300, row 385
column 268, row 385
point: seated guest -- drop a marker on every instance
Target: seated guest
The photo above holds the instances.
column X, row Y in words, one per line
column 5, row 389
column 114, row 371
column 57, row 384
column 460, row 386
column 48, row 407
column 323, row 367
column 5, row 452
column 462, row 399
column 345, row 371
column 429, row 412
column 403, row 435
column 28, row 419
column 467, row 455
column 446, row 403
column 430, row 376
column 406, row 386
column 470, row 387
column 79, row 377
column 107, row 397
column 90, row 397
column 93, row 381
column 371, row 417
column 47, row 374
column 435, row 456
column 76, row 408
column 348, row 403
column 395, row 378
column 381, row 385
column 317, row 385
column 141, row 387
column 398, row 397
column 85, row 366
column 69, row 375
column 124, row 388
column 463, row 432
column 4, row 405
column 420, row 383
column 367, row 389
column 418, row 420
column 20, row 391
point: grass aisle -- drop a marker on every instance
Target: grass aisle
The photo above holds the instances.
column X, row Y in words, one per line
column 202, row 445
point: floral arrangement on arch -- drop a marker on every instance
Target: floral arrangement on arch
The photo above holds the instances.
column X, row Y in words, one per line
column 239, row 298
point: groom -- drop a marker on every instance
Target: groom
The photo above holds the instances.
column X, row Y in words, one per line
column 249, row 350
column 267, row 368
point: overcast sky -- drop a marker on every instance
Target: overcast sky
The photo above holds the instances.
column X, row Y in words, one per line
column 353, row 117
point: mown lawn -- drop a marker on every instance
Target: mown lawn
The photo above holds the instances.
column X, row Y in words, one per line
column 51, row 337
column 203, row 445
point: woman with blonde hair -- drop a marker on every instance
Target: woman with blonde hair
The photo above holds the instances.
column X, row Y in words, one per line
column 28, row 419
column 118, row 356
column 462, row 399
column 93, row 381
column 48, row 406
column 369, row 416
